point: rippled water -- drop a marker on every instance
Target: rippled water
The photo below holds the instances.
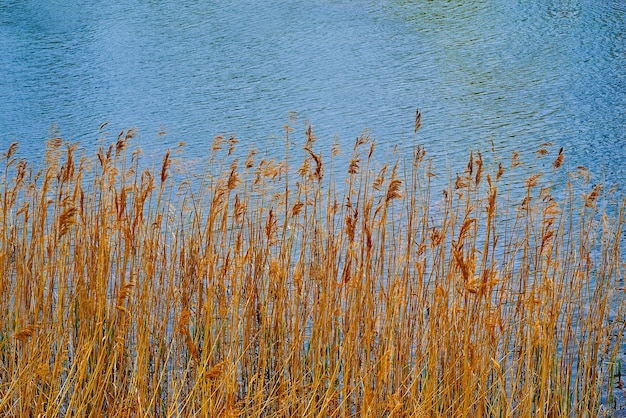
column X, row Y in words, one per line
column 518, row 73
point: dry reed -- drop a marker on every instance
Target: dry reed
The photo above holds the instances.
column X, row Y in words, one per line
column 264, row 290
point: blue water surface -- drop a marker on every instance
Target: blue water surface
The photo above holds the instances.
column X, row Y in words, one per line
column 510, row 73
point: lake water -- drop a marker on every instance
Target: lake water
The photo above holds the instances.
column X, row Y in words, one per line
column 515, row 72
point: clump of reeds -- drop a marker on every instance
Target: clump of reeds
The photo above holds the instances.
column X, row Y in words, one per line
column 260, row 289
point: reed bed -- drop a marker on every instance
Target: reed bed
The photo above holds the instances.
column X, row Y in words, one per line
column 262, row 287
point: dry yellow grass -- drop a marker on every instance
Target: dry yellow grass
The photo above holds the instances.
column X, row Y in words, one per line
column 262, row 289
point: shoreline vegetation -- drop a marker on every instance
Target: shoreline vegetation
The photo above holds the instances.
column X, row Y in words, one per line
column 265, row 288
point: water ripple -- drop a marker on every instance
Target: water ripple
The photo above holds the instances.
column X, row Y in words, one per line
column 517, row 73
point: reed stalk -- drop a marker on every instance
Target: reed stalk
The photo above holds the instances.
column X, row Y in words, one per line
column 265, row 289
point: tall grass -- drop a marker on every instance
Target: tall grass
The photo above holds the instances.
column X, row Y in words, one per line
column 257, row 288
